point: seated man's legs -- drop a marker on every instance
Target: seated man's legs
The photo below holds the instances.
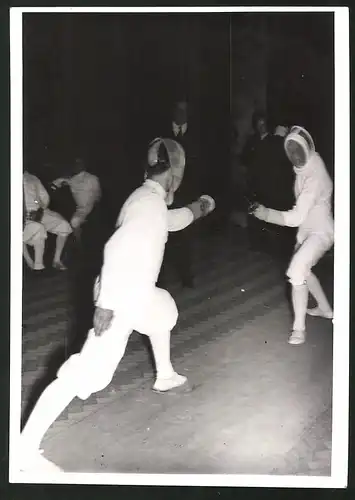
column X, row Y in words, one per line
column 56, row 224
column 299, row 273
column 34, row 234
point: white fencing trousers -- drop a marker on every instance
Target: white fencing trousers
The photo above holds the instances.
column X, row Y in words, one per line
column 308, row 252
column 92, row 369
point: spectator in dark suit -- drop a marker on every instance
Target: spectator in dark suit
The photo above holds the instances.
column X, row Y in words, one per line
column 179, row 250
column 270, row 179
column 254, row 140
column 275, row 185
column 253, row 157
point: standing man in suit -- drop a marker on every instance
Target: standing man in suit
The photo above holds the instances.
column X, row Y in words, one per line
column 179, row 252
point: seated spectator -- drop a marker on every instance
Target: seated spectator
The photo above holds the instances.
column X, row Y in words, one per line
column 38, row 220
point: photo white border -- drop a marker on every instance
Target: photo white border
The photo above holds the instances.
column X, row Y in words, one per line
column 339, row 476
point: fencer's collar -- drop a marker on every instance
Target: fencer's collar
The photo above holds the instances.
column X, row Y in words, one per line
column 156, row 187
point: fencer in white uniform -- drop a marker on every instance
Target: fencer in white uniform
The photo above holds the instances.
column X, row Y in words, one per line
column 127, row 299
column 312, row 214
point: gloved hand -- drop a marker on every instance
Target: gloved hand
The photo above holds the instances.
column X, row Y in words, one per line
column 251, row 206
column 202, row 207
column 208, row 204
column 260, row 212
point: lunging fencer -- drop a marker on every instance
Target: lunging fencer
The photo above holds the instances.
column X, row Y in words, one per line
column 312, row 214
column 126, row 299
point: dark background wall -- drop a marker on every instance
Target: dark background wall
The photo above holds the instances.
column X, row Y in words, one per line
column 95, row 84
column 301, row 76
column 284, row 64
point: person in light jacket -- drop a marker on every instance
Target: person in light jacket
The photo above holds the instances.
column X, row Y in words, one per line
column 38, row 221
column 312, row 215
column 126, row 299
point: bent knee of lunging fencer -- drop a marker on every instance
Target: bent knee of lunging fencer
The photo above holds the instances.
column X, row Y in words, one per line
column 297, row 275
column 297, row 279
column 160, row 317
column 298, row 270
column 167, row 312
column 83, row 378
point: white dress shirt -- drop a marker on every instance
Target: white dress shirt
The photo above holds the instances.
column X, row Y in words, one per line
column 178, row 128
column 134, row 254
column 86, row 191
column 35, row 193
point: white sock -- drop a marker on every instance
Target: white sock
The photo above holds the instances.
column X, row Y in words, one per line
column 299, row 301
column 161, row 349
column 316, row 290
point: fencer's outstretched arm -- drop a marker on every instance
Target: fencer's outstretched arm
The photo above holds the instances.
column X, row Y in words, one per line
column 180, row 218
column 298, row 214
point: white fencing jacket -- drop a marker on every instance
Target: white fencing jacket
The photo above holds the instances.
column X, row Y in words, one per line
column 134, row 254
column 312, row 212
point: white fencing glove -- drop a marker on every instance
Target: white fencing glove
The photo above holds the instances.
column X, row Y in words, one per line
column 202, row 207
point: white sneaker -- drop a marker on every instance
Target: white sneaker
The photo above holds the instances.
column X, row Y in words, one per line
column 316, row 311
column 297, row 337
column 166, row 384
